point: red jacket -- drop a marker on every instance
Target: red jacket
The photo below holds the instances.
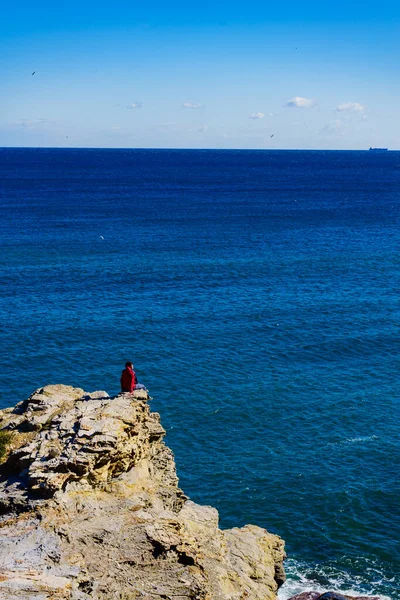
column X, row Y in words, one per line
column 128, row 380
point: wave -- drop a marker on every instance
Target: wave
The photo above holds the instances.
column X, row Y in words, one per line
column 325, row 578
column 356, row 440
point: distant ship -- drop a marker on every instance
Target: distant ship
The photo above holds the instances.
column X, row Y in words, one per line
column 378, row 150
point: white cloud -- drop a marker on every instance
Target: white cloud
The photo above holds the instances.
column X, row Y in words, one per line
column 300, row 102
column 257, row 115
column 170, row 126
column 337, row 127
column 351, row 117
column 27, row 122
column 191, row 105
column 32, row 123
column 134, row 105
column 354, row 107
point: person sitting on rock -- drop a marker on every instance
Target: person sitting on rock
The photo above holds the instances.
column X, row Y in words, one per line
column 129, row 381
column 128, row 378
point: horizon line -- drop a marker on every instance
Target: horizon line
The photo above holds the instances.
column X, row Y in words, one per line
column 195, row 149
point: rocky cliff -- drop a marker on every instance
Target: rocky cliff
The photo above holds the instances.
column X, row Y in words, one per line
column 90, row 508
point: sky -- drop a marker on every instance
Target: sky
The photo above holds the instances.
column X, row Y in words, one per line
column 186, row 74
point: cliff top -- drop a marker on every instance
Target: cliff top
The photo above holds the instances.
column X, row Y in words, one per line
column 91, row 508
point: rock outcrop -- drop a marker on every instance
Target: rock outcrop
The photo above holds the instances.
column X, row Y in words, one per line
column 90, row 508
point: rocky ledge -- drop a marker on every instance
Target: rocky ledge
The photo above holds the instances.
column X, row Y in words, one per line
column 90, row 508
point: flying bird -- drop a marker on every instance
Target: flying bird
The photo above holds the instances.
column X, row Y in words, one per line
column 271, row 136
column 33, row 72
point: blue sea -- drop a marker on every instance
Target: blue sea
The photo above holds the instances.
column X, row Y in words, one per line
column 257, row 293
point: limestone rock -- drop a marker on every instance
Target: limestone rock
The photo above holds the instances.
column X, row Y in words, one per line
column 91, row 508
column 306, row 596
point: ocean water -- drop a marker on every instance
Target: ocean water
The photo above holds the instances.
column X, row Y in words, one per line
column 257, row 294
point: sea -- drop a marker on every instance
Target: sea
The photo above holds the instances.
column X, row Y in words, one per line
column 257, row 294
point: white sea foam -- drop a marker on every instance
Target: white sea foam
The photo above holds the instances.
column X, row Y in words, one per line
column 299, row 580
column 363, row 438
column 296, row 586
column 356, row 440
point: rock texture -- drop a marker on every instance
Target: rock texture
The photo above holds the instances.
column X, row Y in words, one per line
column 90, row 508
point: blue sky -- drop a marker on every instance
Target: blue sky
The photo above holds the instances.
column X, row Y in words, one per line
column 195, row 75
